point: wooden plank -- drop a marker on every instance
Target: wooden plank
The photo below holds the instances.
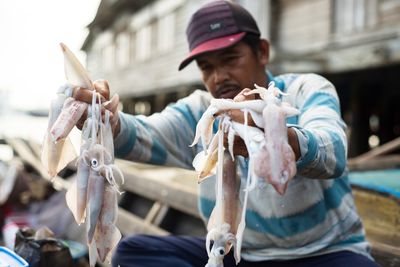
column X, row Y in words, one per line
column 159, row 184
column 153, row 212
column 161, row 215
column 378, row 151
column 27, row 156
column 379, row 163
column 380, row 216
column 128, row 223
column 385, row 255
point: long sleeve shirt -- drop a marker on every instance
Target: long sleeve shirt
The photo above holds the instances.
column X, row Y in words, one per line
column 315, row 216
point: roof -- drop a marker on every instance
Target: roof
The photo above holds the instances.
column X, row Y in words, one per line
column 108, row 12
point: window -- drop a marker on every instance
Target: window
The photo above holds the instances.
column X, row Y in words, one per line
column 108, row 57
column 166, row 32
column 352, row 16
column 143, row 43
column 122, row 50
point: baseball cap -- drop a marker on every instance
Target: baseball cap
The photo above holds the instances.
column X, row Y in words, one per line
column 217, row 25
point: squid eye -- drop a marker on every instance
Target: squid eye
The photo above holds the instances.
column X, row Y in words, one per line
column 221, row 252
column 94, row 162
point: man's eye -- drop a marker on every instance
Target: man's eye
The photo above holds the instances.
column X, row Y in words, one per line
column 205, row 67
column 230, row 58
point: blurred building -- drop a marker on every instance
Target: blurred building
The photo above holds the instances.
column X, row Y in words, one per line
column 138, row 44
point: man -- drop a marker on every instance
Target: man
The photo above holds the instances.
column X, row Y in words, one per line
column 315, row 223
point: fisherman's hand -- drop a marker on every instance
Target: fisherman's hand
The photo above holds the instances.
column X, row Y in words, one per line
column 292, row 136
column 101, row 87
column 239, row 147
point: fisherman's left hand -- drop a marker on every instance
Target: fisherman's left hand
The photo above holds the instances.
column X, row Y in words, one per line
column 101, row 87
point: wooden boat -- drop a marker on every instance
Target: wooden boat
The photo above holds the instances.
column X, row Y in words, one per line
column 160, row 200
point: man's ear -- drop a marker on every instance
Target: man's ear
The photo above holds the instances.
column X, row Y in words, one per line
column 264, row 52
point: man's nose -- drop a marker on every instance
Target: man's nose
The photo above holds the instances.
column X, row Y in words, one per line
column 220, row 74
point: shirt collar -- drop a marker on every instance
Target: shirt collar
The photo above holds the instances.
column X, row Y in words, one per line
column 278, row 81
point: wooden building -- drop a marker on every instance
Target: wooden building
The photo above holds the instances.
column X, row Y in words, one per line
column 138, row 44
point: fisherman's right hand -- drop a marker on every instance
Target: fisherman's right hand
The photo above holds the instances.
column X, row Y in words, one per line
column 101, row 87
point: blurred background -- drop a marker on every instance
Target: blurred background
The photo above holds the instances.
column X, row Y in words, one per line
column 138, row 44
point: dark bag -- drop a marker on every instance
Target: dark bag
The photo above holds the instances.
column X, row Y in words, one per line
column 49, row 252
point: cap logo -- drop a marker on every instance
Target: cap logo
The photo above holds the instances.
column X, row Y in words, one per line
column 215, row 26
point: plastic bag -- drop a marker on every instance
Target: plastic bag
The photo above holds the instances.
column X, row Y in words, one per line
column 46, row 252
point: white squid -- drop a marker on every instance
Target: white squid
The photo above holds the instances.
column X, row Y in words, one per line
column 226, row 215
column 276, row 161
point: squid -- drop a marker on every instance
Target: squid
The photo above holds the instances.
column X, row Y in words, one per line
column 107, row 235
column 205, row 163
column 92, row 198
column 226, row 215
column 218, row 106
column 56, row 155
column 102, row 205
column 57, row 149
column 72, row 110
column 276, row 160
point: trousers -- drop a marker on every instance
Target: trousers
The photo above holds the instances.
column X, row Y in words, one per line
column 189, row 251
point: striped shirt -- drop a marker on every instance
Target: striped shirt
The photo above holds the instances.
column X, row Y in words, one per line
column 315, row 216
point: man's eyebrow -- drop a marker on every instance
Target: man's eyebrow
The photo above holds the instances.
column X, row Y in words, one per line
column 225, row 52
column 199, row 61
column 230, row 50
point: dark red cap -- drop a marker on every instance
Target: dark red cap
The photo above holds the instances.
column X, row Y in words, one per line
column 215, row 26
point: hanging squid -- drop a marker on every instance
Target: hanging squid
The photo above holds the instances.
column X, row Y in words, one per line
column 92, row 197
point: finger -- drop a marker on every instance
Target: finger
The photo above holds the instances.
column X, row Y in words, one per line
column 102, row 87
column 82, row 120
column 242, row 96
column 112, row 104
column 240, row 148
column 239, row 98
column 238, row 116
column 84, row 95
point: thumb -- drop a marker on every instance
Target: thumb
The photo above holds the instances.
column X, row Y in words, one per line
column 101, row 86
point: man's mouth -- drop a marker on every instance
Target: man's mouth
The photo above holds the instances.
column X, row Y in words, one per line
column 227, row 91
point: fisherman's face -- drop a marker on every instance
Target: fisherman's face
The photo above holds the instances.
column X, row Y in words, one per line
column 226, row 72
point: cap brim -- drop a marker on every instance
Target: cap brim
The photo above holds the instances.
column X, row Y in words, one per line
column 212, row 45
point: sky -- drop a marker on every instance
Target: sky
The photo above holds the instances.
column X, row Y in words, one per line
column 31, row 61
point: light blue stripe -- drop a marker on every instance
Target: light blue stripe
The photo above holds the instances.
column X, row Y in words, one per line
column 158, row 153
column 312, row 150
column 340, row 154
column 351, row 240
column 187, row 114
column 295, row 224
column 301, row 222
column 321, row 99
column 292, row 120
column 125, row 149
column 278, row 81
